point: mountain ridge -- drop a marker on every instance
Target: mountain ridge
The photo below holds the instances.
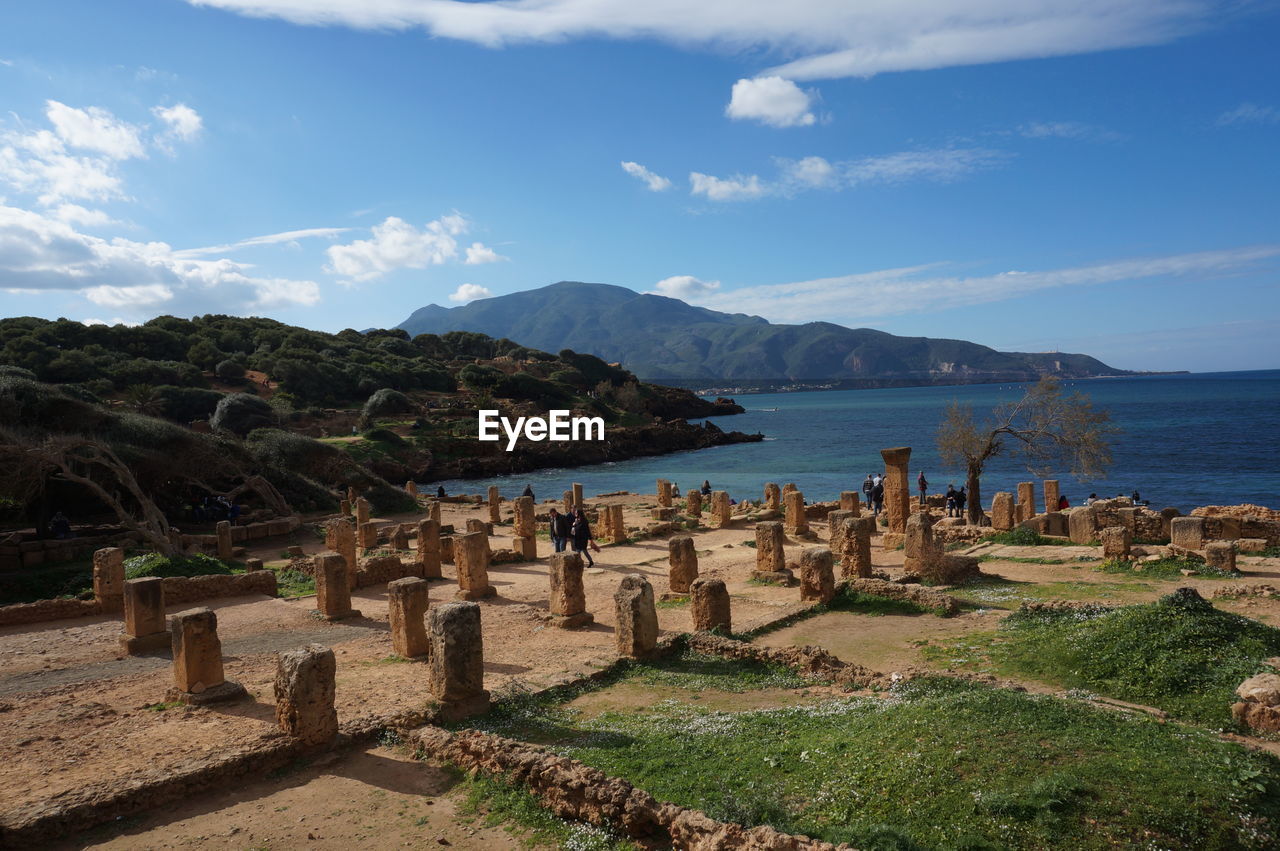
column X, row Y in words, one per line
column 662, row 338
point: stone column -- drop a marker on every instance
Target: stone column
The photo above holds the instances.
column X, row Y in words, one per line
column 619, row 527
column 495, row 504
column 144, row 626
column 771, row 559
column 709, row 600
column 683, row 563
column 433, row 510
column 400, row 538
column 721, row 511
column 362, row 512
column 368, row 535
column 525, row 524
column 788, row 488
column 411, row 488
column 340, row 537
column 568, row 597
column 197, row 660
column 428, row 555
column 1002, row 511
column 407, row 601
column 637, row 626
column 1082, row 525
column 344, row 507
column 851, row 501
column 1115, row 542
column 835, row 531
column 352, row 496
column 855, row 557
column 817, row 578
column 921, row 553
column 797, row 523
column 108, row 578
column 305, row 688
column 333, row 589
column 1187, row 532
column 252, row 565
column 471, row 556
column 225, row 547
column 693, row 502
column 457, row 660
column 1026, row 501
column 664, row 493
column 1219, row 554
column 897, row 487
column 577, row 495
column 772, row 496
column 568, row 501
column 1051, row 495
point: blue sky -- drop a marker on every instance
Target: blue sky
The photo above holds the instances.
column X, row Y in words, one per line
column 1029, row 174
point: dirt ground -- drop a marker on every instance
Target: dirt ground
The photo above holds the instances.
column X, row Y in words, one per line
column 75, row 711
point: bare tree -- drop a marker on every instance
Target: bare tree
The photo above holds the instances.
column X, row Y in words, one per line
column 1046, row 428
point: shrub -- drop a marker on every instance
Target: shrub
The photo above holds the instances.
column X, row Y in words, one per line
column 386, row 402
column 154, row 564
column 229, row 370
column 241, row 413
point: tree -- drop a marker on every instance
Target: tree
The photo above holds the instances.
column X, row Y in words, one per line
column 1047, row 429
column 241, row 413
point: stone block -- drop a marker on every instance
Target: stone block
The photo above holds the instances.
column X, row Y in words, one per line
column 770, row 553
column 851, row 501
column 333, row 588
column 721, row 511
column 471, row 556
column 897, row 487
column 362, row 511
column 1116, row 542
column 637, row 617
column 407, row 603
column 817, row 578
column 197, row 660
column 709, row 601
column 772, row 497
column 793, row 513
column 1082, row 525
column 1259, row 705
column 457, row 660
column 683, row 562
column 1052, row 495
column 693, row 503
column 1002, row 511
column 305, row 688
column 1221, row 554
column 428, row 554
column 108, row 578
column 1187, row 532
column 1026, row 501
column 664, row 493
column 525, row 523
column 144, row 622
column 568, row 602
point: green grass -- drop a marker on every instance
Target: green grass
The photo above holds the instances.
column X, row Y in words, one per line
column 1017, row 560
column 845, row 600
column 991, row 591
column 68, row 580
column 294, row 583
column 1165, row 568
column 495, row 803
column 938, row 763
column 1021, row 537
column 1270, row 552
column 155, row 564
column 1179, row 654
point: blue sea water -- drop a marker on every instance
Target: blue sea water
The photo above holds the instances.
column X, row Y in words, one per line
column 1183, row 441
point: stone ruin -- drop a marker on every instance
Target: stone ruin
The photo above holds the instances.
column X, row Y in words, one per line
column 495, row 504
column 721, row 511
column 664, row 493
column 1051, row 495
column 1221, row 555
column 693, row 503
column 771, row 559
column 411, row 488
column 362, row 511
column 854, row 549
column 636, row 631
column 333, row 587
column 897, row 488
column 924, row 555
column 568, row 596
column 772, row 497
column 567, row 498
column 1082, row 524
column 108, row 578
column 399, row 537
column 1026, row 508
column 817, row 578
column 428, row 554
column 144, row 621
column 709, row 603
column 456, row 671
column 1003, row 511
column 1259, row 704
column 407, row 603
column 851, row 501
column 471, row 557
column 305, row 688
column 197, row 660
column 578, row 501
column 525, row 526
column 1116, row 543
column 794, row 517
column 226, row 549
column 682, row 557
column 367, row 536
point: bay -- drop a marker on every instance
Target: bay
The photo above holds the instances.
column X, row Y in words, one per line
column 1183, row 441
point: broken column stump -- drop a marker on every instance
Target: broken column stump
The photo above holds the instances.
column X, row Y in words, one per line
column 457, row 660
column 305, row 687
column 197, row 660
column 817, row 578
column 471, row 557
column 636, row 631
column 333, row 590
column 144, row 624
column 407, row 603
column 568, row 596
column 709, row 600
column 771, row 560
column 108, row 578
column 682, row 560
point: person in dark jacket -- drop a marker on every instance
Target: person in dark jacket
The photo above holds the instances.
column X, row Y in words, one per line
column 440, row 492
column 706, row 487
column 580, row 535
column 528, row 491
column 877, row 497
column 559, row 529
column 961, row 499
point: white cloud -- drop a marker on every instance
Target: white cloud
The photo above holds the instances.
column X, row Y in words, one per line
column 830, row 39
column 478, row 253
column 685, row 287
column 655, row 182
column 74, row 214
column 117, row 321
column 909, row 290
column 941, row 165
column 181, row 124
column 1067, row 130
column 770, row 100
column 396, row 244
column 1250, row 113
column 39, row 253
column 95, row 129
column 469, row 292
column 736, row 188
column 289, row 237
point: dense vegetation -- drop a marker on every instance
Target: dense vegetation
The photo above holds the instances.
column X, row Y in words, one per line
column 663, row 338
column 937, row 763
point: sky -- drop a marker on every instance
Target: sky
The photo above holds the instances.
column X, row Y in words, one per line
column 1099, row 176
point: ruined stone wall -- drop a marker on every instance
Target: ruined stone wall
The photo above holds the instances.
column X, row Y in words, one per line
column 48, row 610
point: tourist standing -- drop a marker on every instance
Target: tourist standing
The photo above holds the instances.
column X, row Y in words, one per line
column 923, row 485
column 877, row 496
column 558, row 527
column 580, row 535
column 961, row 499
column 867, row 485
column 951, row 501
column 706, row 488
column 528, row 491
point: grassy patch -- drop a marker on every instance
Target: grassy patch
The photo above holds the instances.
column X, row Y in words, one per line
column 496, row 802
column 70, row 579
column 989, row 591
column 845, row 600
column 1017, row 560
column 1165, row 568
column 677, row 603
column 1179, row 654
column 940, row 763
column 1021, row 537
column 155, row 564
column 294, row 583
column 1270, row 552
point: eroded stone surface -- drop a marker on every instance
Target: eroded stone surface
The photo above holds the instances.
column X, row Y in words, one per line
column 709, row 602
column 568, row 602
column 471, row 557
column 333, row 589
column 144, row 622
column 457, row 659
column 637, row 625
column 794, row 517
column 108, row 578
column 683, row 561
column 897, row 488
column 304, row 690
column 407, row 603
column 817, row 579
column 1002, row 511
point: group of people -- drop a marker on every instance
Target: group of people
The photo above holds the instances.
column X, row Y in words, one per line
column 873, row 492
column 572, row 530
column 211, row 509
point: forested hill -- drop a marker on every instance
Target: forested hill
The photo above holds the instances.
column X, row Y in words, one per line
column 660, row 338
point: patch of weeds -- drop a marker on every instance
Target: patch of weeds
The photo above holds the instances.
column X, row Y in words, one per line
column 497, row 802
column 1021, row 537
column 1179, row 654
column 1270, row 552
column 677, row 603
column 389, row 738
column 294, row 583
column 164, row 707
column 845, row 600
column 1165, row 568
column 751, row 544
column 1017, row 560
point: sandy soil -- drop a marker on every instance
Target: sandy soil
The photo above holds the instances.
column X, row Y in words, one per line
column 74, row 711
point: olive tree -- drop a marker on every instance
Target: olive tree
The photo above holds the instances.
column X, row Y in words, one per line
column 1045, row 428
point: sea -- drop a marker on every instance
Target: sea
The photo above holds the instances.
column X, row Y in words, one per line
column 1182, row 441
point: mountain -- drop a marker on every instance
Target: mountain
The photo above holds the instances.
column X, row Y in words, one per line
column 660, row 338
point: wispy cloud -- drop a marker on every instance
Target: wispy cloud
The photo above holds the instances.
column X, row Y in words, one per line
column 910, row 290
column 397, row 244
column 685, row 287
column 289, row 236
column 1250, row 113
column 1068, row 130
column 655, row 182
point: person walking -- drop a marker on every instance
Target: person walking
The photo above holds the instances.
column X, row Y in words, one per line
column 528, row 491
column 867, row 485
column 951, row 501
column 580, row 536
column 961, row 499
column 923, row 484
column 558, row 526
column 877, row 497
column 706, row 487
